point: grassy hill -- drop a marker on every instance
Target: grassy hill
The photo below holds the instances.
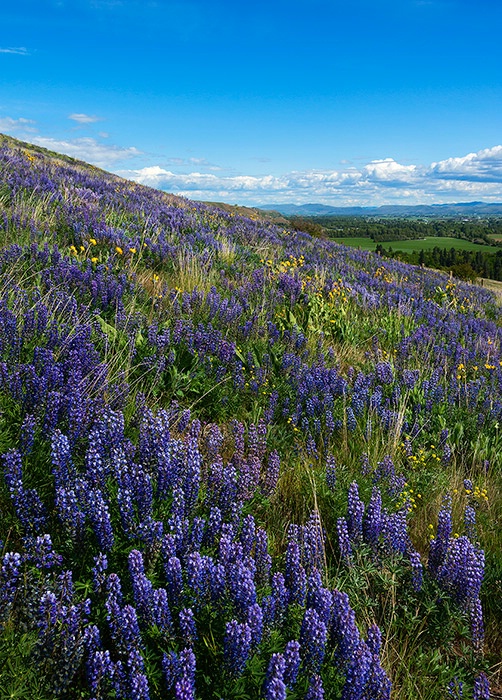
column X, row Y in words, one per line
column 237, row 461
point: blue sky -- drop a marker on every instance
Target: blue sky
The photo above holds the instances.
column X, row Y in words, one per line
column 343, row 102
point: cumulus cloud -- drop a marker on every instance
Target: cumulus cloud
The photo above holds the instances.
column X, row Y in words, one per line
column 388, row 171
column 483, row 166
column 9, row 125
column 18, row 50
column 474, row 176
column 101, row 154
column 84, row 118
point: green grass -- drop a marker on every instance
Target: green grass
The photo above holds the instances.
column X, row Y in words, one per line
column 409, row 246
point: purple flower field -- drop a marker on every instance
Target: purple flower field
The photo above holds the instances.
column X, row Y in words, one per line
column 237, row 461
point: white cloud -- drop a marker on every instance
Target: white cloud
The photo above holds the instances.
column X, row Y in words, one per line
column 389, row 171
column 84, row 118
column 90, row 150
column 474, row 176
column 18, row 50
column 9, row 125
column 483, row 166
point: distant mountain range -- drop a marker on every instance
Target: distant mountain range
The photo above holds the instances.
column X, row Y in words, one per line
column 481, row 209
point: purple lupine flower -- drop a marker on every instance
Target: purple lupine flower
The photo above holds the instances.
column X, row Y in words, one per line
column 355, row 512
column 172, row 668
column 395, row 531
column 92, row 638
column 214, row 441
column 374, row 639
column 196, row 572
column 481, row 690
column 292, row 661
column 141, row 586
column 372, row 525
column 316, row 689
column 331, row 473
column 188, row 627
column 456, row 689
column 248, row 534
column 274, row 687
column 65, row 587
column 313, row 635
column 70, row 512
column 187, row 663
column 99, row 515
column 351, row 421
column 242, row 587
column 114, row 588
column 161, row 614
column 62, row 467
column 477, row 625
column 378, row 685
column 98, row 572
column 447, row 454
column 174, row 578
column 296, row 579
column 236, row 646
column 365, row 464
column 183, row 690
column 217, row 583
column 357, row 673
column 41, row 552
column 100, row 668
column 197, row 533
column 272, row 473
column 27, row 437
column 213, row 525
column 417, row 573
column 47, row 611
column 344, row 540
column 138, row 682
column 470, row 522
column 29, row 508
column 280, row 594
column 9, row 578
column 192, row 475
column 384, row 372
column 344, row 627
column 462, row 570
column 319, row 598
column 128, row 629
column 255, row 622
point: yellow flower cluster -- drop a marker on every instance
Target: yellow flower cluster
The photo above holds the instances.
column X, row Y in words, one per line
column 461, row 371
column 407, row 497
column 338, row 292
column 423, row 456
column 384, row 275
column 480, row 495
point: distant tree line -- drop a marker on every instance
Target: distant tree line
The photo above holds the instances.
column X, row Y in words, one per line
column 465, row 264
column 385, row 230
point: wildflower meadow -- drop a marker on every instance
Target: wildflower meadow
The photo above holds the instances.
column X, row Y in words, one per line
column 237, row 461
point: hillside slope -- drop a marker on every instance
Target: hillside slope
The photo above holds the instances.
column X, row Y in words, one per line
column 238, row 461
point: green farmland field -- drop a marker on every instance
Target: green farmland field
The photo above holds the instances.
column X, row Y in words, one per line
column 409, row 246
